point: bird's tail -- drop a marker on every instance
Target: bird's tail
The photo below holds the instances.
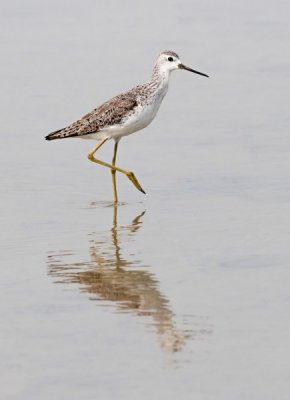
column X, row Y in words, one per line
column 54, row 135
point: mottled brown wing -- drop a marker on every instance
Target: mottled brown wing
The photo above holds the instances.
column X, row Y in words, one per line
column 110, row 113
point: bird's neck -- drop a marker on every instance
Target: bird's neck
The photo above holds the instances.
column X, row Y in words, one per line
column 160, row 79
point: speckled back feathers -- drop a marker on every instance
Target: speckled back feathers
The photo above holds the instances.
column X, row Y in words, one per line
column 114, row 111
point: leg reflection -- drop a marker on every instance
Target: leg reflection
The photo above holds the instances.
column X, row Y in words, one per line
column 122, row 280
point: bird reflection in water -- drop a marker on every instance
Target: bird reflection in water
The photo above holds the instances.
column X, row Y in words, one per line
column 109, row 277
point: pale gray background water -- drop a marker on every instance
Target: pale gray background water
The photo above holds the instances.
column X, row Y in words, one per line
column 190, row 299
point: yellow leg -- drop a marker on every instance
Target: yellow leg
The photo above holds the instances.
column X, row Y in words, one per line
column 113, row 172
column 129, row 174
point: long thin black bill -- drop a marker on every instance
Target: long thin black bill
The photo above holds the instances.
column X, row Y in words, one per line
column 181, row 66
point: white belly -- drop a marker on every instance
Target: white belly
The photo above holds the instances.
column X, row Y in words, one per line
column 138, row 120
column 142, row 117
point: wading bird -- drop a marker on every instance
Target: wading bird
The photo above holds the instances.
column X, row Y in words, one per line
column 125, row 114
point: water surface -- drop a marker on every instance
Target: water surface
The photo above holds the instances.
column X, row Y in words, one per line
column 183, row 293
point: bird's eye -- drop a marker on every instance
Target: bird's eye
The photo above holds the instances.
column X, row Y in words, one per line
column 170, row 59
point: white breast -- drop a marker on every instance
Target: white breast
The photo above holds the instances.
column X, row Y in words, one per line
column 141, row 117
column 144, row 114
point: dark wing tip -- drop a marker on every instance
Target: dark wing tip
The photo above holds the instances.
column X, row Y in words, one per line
column 53, row 135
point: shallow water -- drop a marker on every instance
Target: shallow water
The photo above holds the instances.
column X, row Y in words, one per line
column 183, row 293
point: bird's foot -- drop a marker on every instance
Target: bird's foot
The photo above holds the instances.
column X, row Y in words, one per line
column 135, row 182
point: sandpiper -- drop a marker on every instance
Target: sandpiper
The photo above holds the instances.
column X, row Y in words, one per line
column 125, row 114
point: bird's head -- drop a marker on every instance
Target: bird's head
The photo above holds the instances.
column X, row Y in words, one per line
column 168, row 61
